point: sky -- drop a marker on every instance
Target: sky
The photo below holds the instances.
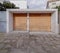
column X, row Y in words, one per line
column 35, row 4
column 41, row 4
column 21, row 4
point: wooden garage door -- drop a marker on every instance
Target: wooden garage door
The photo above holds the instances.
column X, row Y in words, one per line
column 19, row 21
column 40, row 22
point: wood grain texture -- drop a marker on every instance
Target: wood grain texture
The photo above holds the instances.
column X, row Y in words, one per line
column 40, row 22
column 20, row 21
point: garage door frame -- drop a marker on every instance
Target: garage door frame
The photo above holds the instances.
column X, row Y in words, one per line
column 54, row 18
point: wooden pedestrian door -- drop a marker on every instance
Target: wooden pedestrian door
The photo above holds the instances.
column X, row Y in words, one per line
column 37, row 22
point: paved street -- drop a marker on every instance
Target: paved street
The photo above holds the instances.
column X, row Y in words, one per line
column 26, row 43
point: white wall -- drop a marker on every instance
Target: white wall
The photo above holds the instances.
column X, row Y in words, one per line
column 54, row 17
column 2, row 21
column 54, row 4
column 54, row 22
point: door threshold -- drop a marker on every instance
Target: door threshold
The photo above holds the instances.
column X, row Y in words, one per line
column 42, row 33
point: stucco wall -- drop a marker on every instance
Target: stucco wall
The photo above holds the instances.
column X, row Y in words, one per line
column 53, row 11
column 2, row 21
column 59, row 20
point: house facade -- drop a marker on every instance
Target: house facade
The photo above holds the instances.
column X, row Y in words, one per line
column 3, row 22
column 32, row 20
column 53, row 3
